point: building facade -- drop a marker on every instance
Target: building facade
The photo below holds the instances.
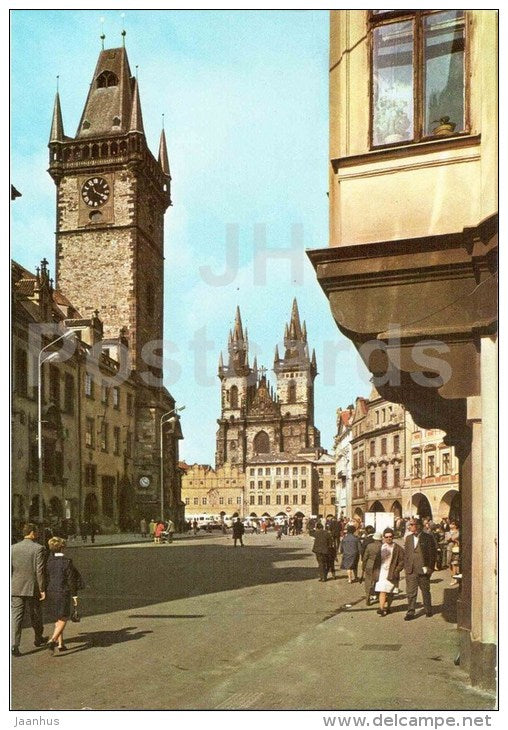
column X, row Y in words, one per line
column 111, row 196
column 411, row 268
column 211, row 491
column 342, row 452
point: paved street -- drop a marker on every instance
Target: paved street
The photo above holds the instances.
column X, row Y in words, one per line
column 202, row 625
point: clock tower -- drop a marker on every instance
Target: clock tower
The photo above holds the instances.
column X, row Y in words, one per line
column 111, row 198
column 111, row 195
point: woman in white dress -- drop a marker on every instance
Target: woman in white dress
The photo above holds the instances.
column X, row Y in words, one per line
column 390, row 565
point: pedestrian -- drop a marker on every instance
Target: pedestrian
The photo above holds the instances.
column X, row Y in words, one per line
column 279, row 532
column 455, row 562
column 238, row 531
column 451, row 536
column 195, row 527
column 27, row 585
column 142, row 527
column 335, row 532
column 151, row 529
column 159, row 529
column 332, row 555
column 62, row 591
column 322, row 544
column 93, row 531
column 370, row 559
column 350, row 549
column 170, row 529
column 420, row 559
column 387, row 570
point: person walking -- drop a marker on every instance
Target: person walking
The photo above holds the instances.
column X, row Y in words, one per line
column 62, row 591
column 350, row 549
column 238, row 530
column 371, row 558
column 323, row 541
column 151, row 529
column 159, row 529
column 170, row 529
column 420, row 559
column 387, row 570
column 27, row 585
column 142, row 527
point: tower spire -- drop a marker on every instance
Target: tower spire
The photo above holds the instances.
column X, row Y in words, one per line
column 136, row 120
column 57, row 129
column 163, row 152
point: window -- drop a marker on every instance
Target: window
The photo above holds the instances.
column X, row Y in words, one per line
column 295, row 499
column 129, row 404
column 260, row 484
column 431, row 464
column 320, row 484
column 260, row 471
column 187, row 500
column 196, row 500
column 261, row 443
column 230, row 500
column 286, row 499
column 355, row 460
column 278, row 471
column 221, row 500
column 106, row 79
column 90, row 475
column 233, row 397
column 267, row 483
column 396, row 477
column 54, row 384
column 303, row 499
column 295, row 483
column 332, row 499
column 383, row 446
column 252, row 499
column 417, row 468
column 372, row 448
column 295, row 470
column 446, row 463
column 292, row 392
column 252, row 484
column 278, row 499
column 303, row 470
column 286, row 483
column 267, row 471
column 239, row 500
column 360, row 489
column 320, row 499
column 89, row 433
column 278, row 484
column 384, row 479
column 104, row 436
column 396, row 443
column 373, row 480
column 116, row 440
column 88, row 385
column 286, row 470
column 267, row 499
column 104, row 394
column 361, row 457
column 116, row 397
column 203, row 501
column 252, row 472
column 260, row 499
column 21, row 372
column 304, row 484
column 418, row 80
column 69, row 393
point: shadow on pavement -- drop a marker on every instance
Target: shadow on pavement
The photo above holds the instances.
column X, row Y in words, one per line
column 135, row 577
column 92, row 639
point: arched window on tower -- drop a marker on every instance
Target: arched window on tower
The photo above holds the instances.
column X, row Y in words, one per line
column 261, row 443
column 106, row 79
column 233, row 397
column 292, row 392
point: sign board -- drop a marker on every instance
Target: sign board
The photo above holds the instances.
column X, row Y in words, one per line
column 379, row 520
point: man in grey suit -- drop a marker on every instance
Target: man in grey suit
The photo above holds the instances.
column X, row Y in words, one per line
column 419, row 562
column 27, row 585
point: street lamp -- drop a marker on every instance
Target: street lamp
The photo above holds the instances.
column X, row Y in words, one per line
column 40, row 361
column 166, row 418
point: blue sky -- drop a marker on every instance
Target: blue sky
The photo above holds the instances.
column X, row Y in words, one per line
column 245, row 99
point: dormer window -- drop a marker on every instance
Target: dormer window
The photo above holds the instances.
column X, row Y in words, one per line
column 116, row 121
column 106, row 79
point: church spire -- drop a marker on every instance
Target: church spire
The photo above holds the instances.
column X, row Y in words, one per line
column 295, row 330
column 57, row 129
column 109, row 105
column 136, row 120
column 163, row 154
column 238, row 329
column 295, row 340
column 238, row 347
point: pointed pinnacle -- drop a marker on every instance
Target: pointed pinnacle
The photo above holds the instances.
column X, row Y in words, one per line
column 163, row 155
column 238, row 329
column 57, row 129
column 136, row 120
column 276, row 356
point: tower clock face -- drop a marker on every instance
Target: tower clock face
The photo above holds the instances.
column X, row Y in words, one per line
column 95, row 192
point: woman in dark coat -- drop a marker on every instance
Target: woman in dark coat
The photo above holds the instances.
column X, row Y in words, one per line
column 350, row 549
column 62, row 580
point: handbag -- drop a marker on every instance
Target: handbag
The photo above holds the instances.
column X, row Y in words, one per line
column 75, row 617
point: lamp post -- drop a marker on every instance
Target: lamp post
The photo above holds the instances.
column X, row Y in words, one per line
column 168, row 417
column 40, row 361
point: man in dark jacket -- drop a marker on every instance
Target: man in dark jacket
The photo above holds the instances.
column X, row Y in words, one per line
column 27, row 585
column 420, row 560
column 238, row 530
column 323, row 541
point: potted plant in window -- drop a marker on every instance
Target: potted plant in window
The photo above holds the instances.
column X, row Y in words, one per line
column 444, row 128
column 391, row 122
